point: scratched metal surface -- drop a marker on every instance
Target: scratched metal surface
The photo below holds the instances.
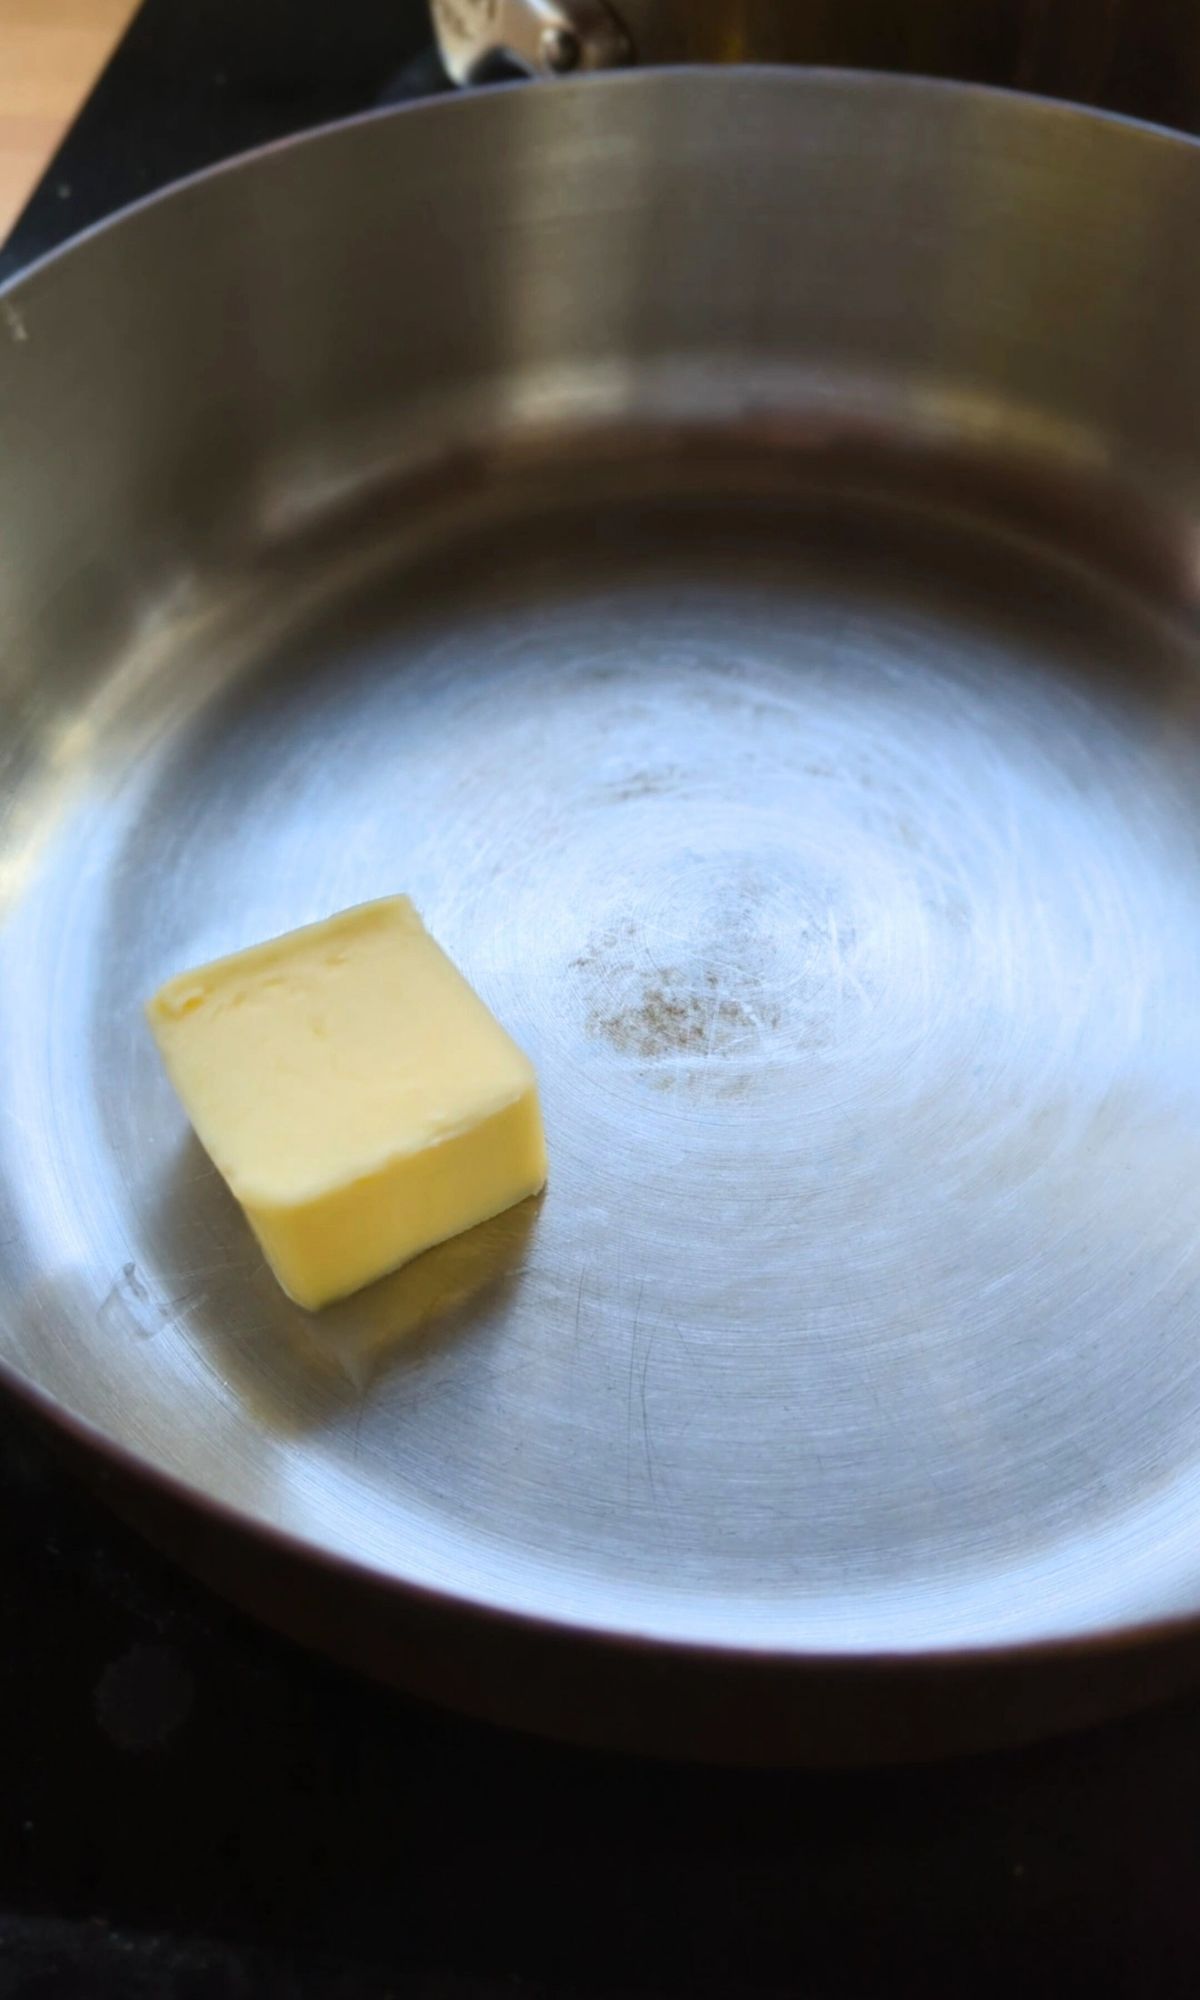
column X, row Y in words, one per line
column 760, row 635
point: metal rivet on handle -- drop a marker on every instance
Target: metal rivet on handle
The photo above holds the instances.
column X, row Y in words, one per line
column 560, row 50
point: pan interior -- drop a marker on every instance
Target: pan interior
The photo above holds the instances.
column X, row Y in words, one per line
column 837, row 861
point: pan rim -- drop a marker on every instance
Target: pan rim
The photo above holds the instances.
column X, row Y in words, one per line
column 772, row 75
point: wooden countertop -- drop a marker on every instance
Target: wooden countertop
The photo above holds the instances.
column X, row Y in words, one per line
column 51, row 52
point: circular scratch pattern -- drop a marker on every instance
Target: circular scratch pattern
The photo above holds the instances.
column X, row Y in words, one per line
column 841, row 875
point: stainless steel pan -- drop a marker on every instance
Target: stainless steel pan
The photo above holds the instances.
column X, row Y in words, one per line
column 726, row 544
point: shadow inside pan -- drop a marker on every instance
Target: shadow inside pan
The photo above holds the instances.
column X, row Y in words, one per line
column 288, row 1364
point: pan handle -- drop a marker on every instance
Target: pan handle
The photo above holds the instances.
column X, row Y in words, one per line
column 544, row 37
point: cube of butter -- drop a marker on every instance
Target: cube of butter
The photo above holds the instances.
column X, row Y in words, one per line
column 356, row 1094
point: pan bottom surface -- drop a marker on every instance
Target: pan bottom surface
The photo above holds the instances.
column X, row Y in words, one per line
column 838, row 864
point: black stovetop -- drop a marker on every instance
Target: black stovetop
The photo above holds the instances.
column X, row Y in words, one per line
column 191, row 1807
column 197, row 80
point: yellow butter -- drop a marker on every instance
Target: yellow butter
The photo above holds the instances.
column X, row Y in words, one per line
column 358, row 1097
